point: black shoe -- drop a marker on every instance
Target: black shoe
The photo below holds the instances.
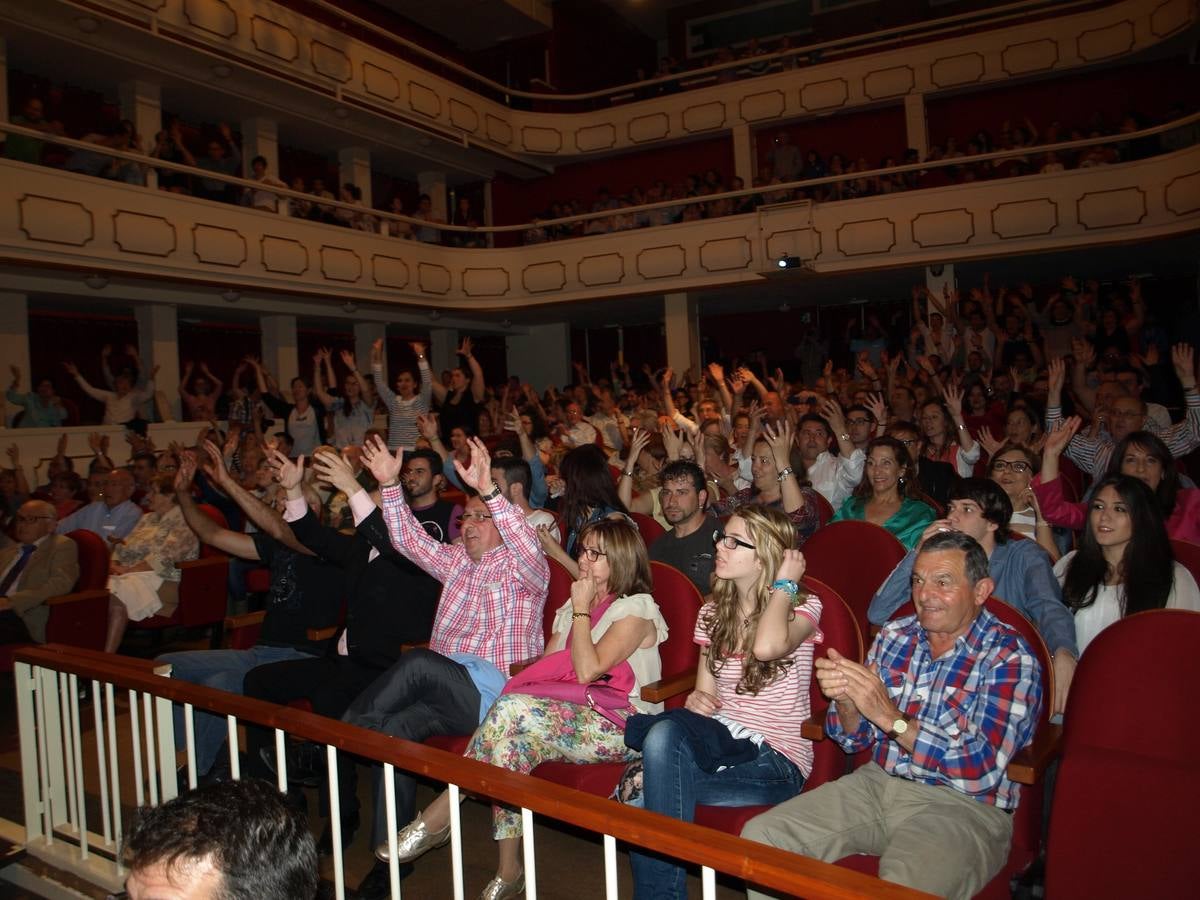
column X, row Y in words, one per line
column 305, row 762
column 378, row 883
column 349, row 830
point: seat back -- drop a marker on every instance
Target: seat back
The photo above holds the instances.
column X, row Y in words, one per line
column 841, row 633
column 558, row 593
column 647, row 527
column 1187, row 555
column 93, row 559
column 854, row 558
column 680, row 601
column 824, row 509
column 1128, row 781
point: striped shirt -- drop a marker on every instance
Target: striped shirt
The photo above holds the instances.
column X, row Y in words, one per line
column 491, row 608
column 402, row 414
column 779, row 709
column 1092, row 454
column 977, row 705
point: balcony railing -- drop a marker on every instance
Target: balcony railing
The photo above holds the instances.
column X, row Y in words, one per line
column 63, row 766
column 275, row 42
column 63, row 219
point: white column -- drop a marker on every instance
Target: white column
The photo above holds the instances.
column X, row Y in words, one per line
column 434, row 184
column 158, row 345
column 743, row 153
column 354, row 166
column 915, row 124
column 443, row 350
column 280, row 352
column 141, row 103
column 4, row 81
column 681, row 319
column 14, row 347
column 260, row 137
column 542, row 357
column 365, row 334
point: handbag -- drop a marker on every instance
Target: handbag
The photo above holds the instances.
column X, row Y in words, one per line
column 554, row 678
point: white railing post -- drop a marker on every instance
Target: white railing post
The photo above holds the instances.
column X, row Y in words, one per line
column 189, row 740
column 135, row 734
column 530, row 855
column 165, row 722
column 102, row 760
column 32, row 796
column 335, row 820
column 151, row 759
column 68, row 747
column 389, row 801
column 114, row 767
column 77, row 760
column 55, row 795
column 231, row 735
column 456, row 851
column 610, row 867
column 281, row 759
column 708, row 883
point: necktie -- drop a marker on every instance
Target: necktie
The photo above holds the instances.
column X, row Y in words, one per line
column 15, row 572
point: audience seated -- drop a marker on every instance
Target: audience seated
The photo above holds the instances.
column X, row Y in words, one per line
column 688, row 543
column 38, row 566
column 886, row 495
column 112, row 516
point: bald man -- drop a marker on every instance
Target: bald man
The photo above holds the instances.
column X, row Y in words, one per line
column 40, row 565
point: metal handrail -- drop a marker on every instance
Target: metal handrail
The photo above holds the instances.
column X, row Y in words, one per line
column 872, row 40
column 763, row 865
column 153, row 162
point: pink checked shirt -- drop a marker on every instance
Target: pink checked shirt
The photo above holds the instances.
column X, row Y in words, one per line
column 491, row 608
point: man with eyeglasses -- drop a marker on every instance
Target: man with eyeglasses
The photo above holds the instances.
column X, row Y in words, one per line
column 688, row 544
column 40, row 565
column 494, row 587
column 1021, row 570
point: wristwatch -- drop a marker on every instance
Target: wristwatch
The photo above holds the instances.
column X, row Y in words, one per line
column 900, row 726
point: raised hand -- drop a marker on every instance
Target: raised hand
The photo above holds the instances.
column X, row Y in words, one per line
column 791, row 567
column 418, row 348
column 716, row 372
column 1152, row 357
column 832, row 411
column 672, row 440
column 61, row 448
column 667, row 376
column 1056, row 441
column 512, row 421
column 1183, row 358
column 988, row 441
column 427, row 426
column 1056, row 373
column 779, row 439
column 333, row 469
column 72, row 369
column 377, row 352
column 464, row 348
column 349, row 361
column 875, row 403
column 637, row 443
column 864, row 366
column 186, row 472
column 954, row 401
column 289, row 474
column 478, row 472
column 215, row 468
column 380, row 463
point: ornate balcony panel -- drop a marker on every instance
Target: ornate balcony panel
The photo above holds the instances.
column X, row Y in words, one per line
column 52, row 218
column 268, row 37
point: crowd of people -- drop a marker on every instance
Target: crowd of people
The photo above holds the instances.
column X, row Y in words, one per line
column 971, row 439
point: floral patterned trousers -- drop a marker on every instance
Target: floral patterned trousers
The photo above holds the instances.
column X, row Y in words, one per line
column 521, row 732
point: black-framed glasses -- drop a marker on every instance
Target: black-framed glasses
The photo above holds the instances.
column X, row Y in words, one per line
column 729, row 542
column 478, row 517
column 592, row 553
column 1019, row 466
column 858, row 421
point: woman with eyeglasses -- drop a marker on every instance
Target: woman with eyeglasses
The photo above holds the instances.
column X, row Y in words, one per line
column 1124, row 564
column 589, row 496
column 887, row 493
column 1013, row 467
column 1140, row 454
column 779, row 483
column 609, row 620
column 756, row 635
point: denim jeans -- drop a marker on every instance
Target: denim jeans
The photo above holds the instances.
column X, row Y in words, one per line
column 673, row 784
column 223, row 670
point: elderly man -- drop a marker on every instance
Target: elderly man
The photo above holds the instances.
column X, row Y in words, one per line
column 40, row 565
column 230, row 839
column 1019, row 569
column 946, row 698
column 489, row 616
column 113, row 515
column 688, row 546
column 1128, row 414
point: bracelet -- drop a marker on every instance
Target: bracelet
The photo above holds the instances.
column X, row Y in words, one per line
column 388, row 484
column 844, row 437
column 787, row 585
column 784, row 473
column 626, row 474
column 586, row 615
column 962, row 427
column 492, row 496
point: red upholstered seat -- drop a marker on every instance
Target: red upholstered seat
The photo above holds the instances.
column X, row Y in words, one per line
column 77, row 619
column 829, row 761
column 1128, row 782
column 1027, row 820
column 647, row 527
column 854, row 558
column 1187, row 555
column 824, row 509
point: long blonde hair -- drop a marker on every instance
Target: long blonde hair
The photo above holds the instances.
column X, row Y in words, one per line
column 771, row 532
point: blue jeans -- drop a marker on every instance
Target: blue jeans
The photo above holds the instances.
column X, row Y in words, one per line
column 223, row 670
column 673, row 784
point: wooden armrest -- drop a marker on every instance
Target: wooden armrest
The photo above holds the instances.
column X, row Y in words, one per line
column 75, row 597
column 207, row 562
column 322, row 634
column 665, row 688
column 1028, row 765
column 232, row 623
column 813, row 728
column 151, row 666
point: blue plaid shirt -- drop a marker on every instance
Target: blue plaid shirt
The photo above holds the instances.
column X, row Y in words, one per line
column 977, row 705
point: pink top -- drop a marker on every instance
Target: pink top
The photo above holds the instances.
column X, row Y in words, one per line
column 1184, row 523
column 779, row 709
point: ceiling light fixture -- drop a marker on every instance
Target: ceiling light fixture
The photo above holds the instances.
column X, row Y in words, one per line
column 350, row 307
column 96, row 282
column 229, row 295
column 789, row 262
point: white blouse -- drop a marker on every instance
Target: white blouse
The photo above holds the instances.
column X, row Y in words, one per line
column 1109, row 605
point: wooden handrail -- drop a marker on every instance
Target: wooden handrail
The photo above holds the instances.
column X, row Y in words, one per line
column 762, row 865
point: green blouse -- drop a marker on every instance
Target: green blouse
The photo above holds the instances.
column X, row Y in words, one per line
column 907, row 523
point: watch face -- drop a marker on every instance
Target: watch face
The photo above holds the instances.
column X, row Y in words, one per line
column 899, row 727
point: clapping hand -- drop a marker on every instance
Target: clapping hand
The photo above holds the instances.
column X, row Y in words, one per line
column 289, row 474
column 380, row 463
column 332, row 469
column 478, row 472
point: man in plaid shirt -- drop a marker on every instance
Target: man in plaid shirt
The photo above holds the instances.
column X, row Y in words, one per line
column 489, row 616
column 945, row 700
